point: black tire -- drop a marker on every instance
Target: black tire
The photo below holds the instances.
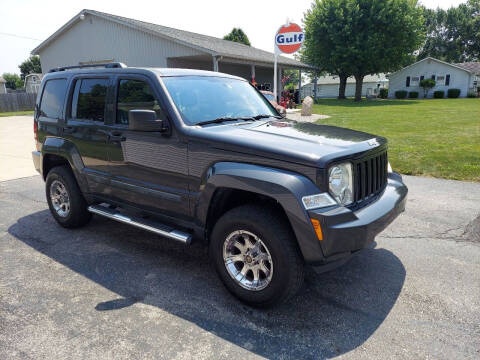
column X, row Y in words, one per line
column 78, row 215
column 275, row 233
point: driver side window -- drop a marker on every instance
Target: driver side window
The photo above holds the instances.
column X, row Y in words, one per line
column 135, row 95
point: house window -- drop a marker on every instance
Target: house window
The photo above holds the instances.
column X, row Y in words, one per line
column 440, row 80
column 415, row 81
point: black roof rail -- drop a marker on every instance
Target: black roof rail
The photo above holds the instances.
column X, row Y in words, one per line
column 113, row 65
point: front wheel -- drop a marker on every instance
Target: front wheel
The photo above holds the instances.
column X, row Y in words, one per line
column 256, row 256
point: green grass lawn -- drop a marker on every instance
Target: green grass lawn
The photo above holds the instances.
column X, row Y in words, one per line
column 439, row 138
column 16, row 113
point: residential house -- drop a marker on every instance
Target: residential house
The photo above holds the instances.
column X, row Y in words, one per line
column 463, row 76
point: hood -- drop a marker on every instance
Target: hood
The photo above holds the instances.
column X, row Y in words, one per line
column 306, row 143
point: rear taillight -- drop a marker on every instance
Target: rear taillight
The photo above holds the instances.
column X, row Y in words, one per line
column 35, row 134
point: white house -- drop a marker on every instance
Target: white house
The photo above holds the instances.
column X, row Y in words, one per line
column 93, row 37
column 328, row 86
column 32, row 82
column 3, row 89
column 463, row 76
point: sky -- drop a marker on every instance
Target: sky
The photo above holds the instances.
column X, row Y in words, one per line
column 32, row 21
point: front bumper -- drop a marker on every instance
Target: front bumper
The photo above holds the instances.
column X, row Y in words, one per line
column 346, row 231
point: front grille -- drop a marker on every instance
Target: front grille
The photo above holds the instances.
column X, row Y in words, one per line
column 370, row 177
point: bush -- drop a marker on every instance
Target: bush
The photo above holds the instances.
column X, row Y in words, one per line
column 400, row 94
column 439, row 94
column 427, row 84
column 413, row 94
column 453, row 93
column 383, row 94
column 471, row 95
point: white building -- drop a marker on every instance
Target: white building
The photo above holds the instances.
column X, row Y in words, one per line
column 328, row 86
column 94, row 37
column 463, row 76
column 32, row 83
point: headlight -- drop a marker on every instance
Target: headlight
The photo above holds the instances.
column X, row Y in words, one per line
column 340, row 183
column 318, row 201
column 389, row 167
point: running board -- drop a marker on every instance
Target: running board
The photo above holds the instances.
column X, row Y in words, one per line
column 141, row 223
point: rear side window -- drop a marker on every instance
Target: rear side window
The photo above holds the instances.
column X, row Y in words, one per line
column 89, row 99
column 135, row 95
column 53, row 98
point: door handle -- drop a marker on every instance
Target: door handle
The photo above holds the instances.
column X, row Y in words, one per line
column 68, row 130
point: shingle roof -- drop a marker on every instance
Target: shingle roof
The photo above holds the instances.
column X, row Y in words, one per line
column 470, row 66
column 206, row 43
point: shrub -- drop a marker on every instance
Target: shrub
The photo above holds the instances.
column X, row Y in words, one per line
column 439, row 94
column 471, row 94
column 383, row 94
column 400, row 94
column 453, row 93
column 427, row 84
column 413, row 94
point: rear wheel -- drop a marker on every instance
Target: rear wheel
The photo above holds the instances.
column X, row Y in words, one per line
column 256, row 256
column 65, row 199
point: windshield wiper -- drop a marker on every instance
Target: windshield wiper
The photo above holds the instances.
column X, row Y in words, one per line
column 266, row 116
column 223, row 119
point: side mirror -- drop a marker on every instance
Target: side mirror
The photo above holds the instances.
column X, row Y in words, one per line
column 145, row 120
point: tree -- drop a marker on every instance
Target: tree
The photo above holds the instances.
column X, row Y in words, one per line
column 453, row 35
column 13, row 81
column 427, row 84
column 361, row 37
column 30, row 66
column 237, row 35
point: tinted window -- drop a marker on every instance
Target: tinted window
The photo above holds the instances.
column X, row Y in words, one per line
column 202, row 98
column 135, row 95
column 52, row 98
column 89, row 99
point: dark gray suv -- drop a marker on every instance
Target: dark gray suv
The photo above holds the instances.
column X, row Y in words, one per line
column 203, row 156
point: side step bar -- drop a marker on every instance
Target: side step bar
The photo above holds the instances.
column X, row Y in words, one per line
column 144, row 224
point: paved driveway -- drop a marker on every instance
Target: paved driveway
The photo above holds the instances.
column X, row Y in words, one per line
column 111, row 291
column 16, row 146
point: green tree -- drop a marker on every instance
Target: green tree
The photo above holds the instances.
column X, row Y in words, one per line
column 30, row 66
column 453, row 35
column 13, row 81
column 427, row 84
column 361, row 37
column 237, row 35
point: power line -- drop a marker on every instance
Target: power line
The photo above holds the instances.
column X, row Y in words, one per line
column 19, row 36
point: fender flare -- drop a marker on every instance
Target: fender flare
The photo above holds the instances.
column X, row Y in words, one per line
column 68, row 150
column 286, row 187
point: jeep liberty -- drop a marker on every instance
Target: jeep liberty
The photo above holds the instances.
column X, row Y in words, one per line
column 196, row 155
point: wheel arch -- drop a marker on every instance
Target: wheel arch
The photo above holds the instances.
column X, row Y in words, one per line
column 281, row 189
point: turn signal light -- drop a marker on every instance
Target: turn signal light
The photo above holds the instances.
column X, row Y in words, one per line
column 317, row 228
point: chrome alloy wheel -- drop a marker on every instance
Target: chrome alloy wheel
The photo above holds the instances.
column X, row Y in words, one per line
column 247, row 260
column 60, row 199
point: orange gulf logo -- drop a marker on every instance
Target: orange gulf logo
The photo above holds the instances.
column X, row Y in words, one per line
column 289, row 38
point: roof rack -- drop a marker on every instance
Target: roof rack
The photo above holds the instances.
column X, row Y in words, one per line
column 113, row 65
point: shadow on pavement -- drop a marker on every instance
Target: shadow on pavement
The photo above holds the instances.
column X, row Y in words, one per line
column 334, row 313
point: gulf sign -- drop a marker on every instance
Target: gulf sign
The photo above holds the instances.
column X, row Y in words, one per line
column 289, row 38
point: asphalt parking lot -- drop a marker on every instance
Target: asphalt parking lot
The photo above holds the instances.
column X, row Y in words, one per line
column 111, row 291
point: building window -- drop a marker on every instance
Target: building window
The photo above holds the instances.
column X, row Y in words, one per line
column 415, row 81
column 440, row 80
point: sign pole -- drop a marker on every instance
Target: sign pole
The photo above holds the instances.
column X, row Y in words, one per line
column 275, row 74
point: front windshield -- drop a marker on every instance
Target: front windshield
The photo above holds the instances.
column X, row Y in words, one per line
column 203, row 98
